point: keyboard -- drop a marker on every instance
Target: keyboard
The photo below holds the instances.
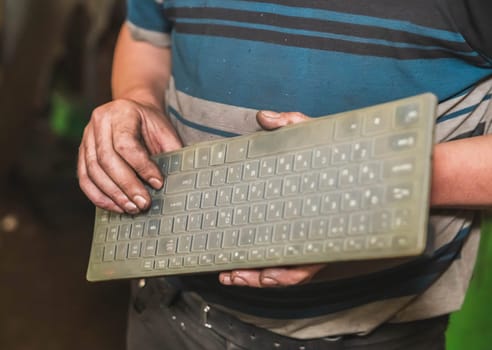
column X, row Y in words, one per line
column 349, row 186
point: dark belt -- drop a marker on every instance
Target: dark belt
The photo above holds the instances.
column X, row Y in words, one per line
column 249, row 336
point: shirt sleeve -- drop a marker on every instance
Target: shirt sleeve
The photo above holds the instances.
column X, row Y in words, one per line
column 147, row 22
column 473, row 18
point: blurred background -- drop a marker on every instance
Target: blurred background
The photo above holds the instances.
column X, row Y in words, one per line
column 55, row 66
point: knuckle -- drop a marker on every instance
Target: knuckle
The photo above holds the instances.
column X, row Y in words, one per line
column 99, row 202
column 92, row 167
column 142, row 167
column 105, row 160
column 121, row 146
column 297, row 116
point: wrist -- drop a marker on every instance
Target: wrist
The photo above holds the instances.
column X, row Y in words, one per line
column 142, row 95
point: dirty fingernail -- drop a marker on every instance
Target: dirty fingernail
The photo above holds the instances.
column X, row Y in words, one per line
column 141, row 202
column 156, row 183
column 226, row 279
column 270, row 114
column 131, row 208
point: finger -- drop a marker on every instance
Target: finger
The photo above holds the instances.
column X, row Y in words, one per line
column 129, row 148
column 288, row 276
column 90, row 189
column 240, row 278
column 250, row 278
column 117, row 169
column 102, row 181
column 273, row 120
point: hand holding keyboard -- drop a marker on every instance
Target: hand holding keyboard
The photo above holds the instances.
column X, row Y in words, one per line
column 349, row 186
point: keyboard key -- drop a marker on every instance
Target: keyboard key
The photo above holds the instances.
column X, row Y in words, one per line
column 239, row 256
column 319, row 228
column 214, row 240
column 174, row 203
column 112, row 235
column 273, row 188
column 340, row 154
column 275, row 210
column 204, row 179
column 321, row 157
column 125, row 231
column 285, row 164
column 199, row 242
column 100, row 235
column 224, row 196
column 240, row 193
column 234, row 173
column 231, row 238
column 267, row 167
column 256, row 191
column 223, row 258
column 302, row 161
column 247, row 236
column 217, row 155
column 237, row 150
column 166, row 246
column 150, row 247
column 348, row 127
column 184, row 243
column 219, row 176
column 195, row 222
column 300, row 230
column 188, row 159
column 180, row 182
column 153, row 227
column 251, row 170
column 180, row 223
column 163, row 163
column 193, row 200
column 264, row 234
column 225, row 217
column 256, row 254
column 241, row 215
column 209, row 220
column 202, row 157
column 134, row 250
column 191, row 260
column 376, row 122
column 109, row 252
column 407, row 115
column 166, row 226
column 208, row 199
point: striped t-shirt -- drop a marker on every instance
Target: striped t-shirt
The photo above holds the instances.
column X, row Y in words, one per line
column 231, row 58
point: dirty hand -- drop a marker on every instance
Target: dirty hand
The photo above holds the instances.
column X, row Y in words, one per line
column 276, row 276
column 114, row 155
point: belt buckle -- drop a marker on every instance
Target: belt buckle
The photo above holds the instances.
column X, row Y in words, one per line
column 333, row 338
column 205, row 311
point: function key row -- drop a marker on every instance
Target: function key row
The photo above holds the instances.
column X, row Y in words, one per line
column 241, row 148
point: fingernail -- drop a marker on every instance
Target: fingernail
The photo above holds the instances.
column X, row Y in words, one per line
column 239, row 281
column 270, row 114
column 267, row 281
column 141, row 202
column 131, row 208
column 226, row 280
column 156, row 183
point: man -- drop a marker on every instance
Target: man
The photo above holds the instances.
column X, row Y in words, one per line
column 232, row 59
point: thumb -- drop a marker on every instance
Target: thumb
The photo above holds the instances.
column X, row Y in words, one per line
column 273, row 120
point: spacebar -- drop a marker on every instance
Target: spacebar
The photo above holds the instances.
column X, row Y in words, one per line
column 314, row 132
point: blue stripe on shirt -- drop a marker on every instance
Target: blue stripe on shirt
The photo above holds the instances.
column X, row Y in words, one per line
column 321, row 14
column 264, row 76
